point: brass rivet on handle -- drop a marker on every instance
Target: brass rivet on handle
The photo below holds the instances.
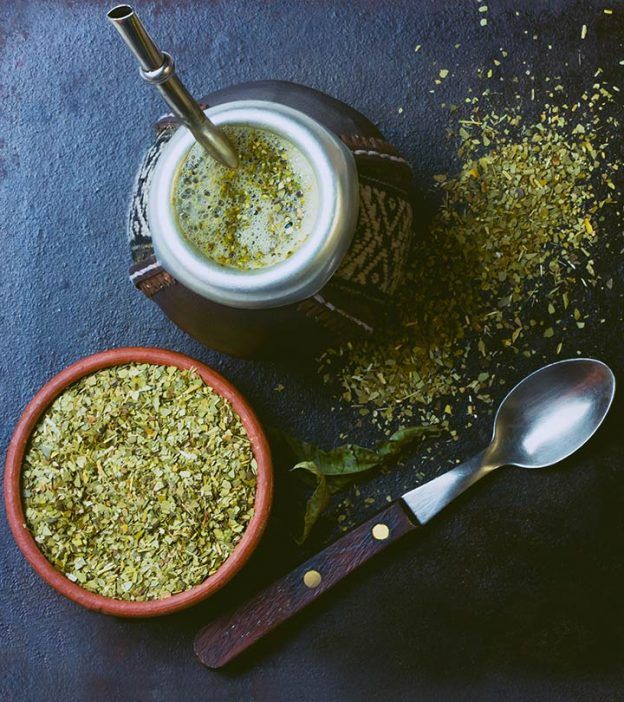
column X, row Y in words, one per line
column 312, row 579
column 381, row 532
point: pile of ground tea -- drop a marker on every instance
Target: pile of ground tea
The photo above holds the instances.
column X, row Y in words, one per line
column 513, row 236
column 139, row 481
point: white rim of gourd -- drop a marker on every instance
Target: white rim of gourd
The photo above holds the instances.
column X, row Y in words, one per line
column 306, row 271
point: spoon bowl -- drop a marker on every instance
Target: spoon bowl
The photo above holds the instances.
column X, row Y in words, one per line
column 552, row 413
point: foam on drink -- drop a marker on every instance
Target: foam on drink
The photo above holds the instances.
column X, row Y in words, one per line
column 255, row 216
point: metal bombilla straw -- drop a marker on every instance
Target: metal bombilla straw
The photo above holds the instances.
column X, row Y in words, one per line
column 157, row 68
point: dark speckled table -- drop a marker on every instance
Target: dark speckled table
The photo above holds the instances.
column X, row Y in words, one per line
column 515, row 594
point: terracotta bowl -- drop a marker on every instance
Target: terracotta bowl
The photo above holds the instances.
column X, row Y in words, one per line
column 13, row 497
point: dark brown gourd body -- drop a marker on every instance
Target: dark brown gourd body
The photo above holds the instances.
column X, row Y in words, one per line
column 358, row 301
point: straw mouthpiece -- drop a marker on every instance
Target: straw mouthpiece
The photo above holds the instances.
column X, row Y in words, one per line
column 157, row 68
column 120, row 13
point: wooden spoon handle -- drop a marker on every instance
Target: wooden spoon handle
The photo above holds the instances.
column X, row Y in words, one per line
column 231, row 634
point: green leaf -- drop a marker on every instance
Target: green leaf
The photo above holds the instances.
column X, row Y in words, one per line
column 316, row 502
column 336, row 468
column 403, row 439
column 350, row 459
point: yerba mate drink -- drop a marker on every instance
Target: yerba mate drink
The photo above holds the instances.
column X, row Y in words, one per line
column 251, row 217
column 302, row 246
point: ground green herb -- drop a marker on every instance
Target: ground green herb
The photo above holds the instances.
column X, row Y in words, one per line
column 514, row 232
column 139, row 481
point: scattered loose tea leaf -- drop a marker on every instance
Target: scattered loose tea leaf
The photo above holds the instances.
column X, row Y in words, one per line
column 514, row 233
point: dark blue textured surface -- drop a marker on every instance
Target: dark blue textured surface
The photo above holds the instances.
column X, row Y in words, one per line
column 516, row 593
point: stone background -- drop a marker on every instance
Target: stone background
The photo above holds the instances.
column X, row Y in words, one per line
column 515, row 593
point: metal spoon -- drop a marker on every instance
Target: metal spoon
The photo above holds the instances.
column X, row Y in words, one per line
column 544, row 419
column 157, row 68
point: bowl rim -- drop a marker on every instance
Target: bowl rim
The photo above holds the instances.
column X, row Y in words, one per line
column 13, row 470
